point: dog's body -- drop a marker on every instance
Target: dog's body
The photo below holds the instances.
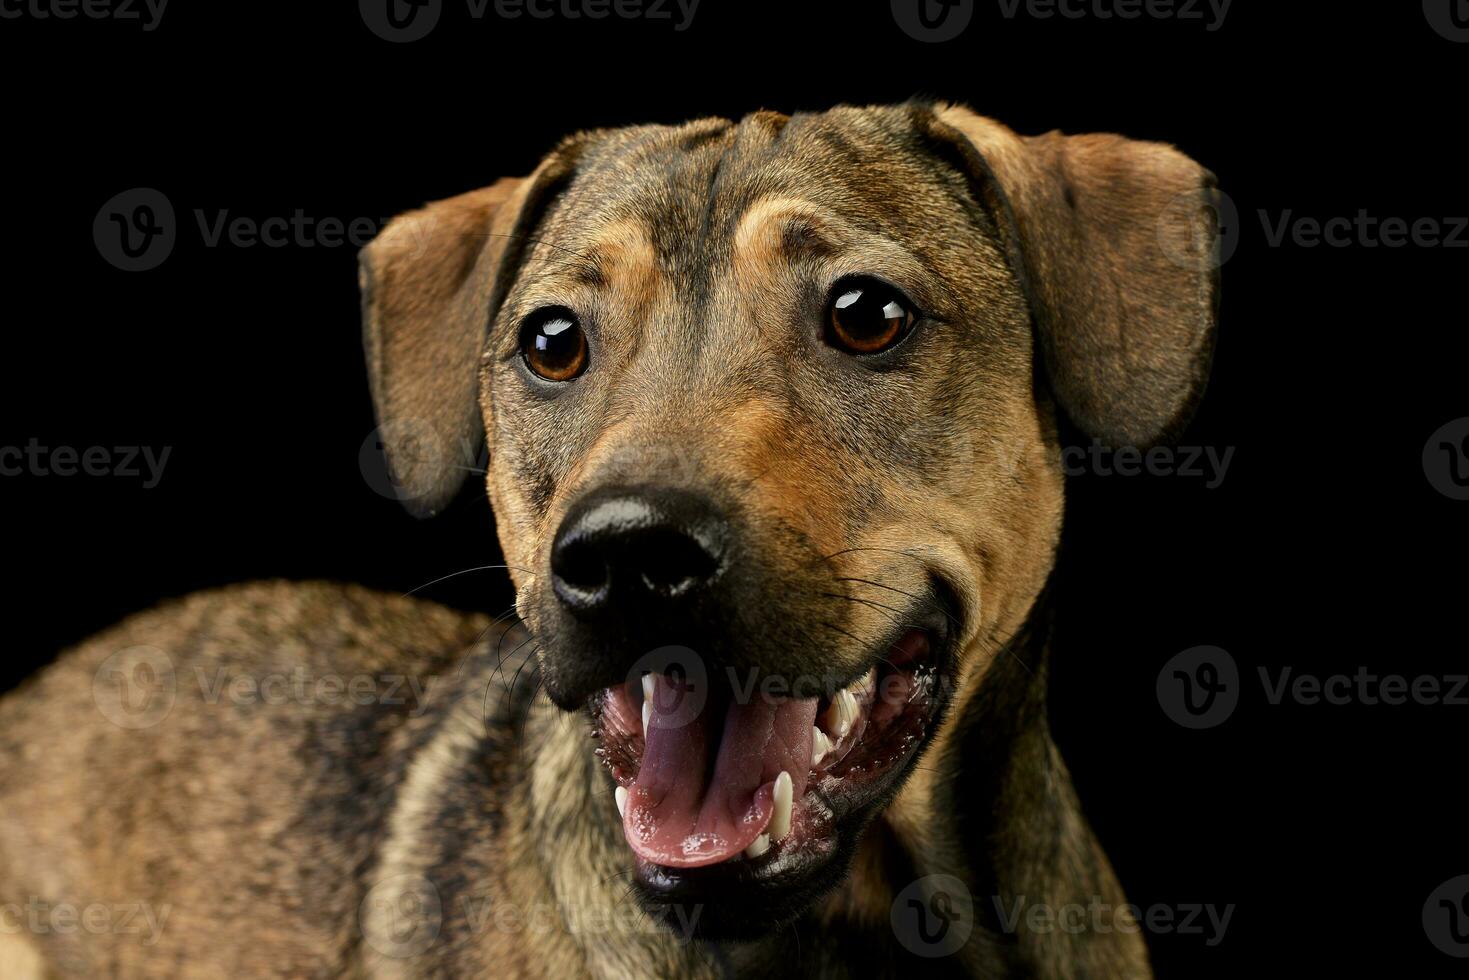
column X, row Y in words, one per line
column 452, row 819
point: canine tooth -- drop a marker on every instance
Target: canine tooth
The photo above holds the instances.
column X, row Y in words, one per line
column 780, row 820
column 647, row 713
column 832, row 715
column 841, row 713
column 820, row 745
column 758, row 847
column 621, row 794
column 648, row 688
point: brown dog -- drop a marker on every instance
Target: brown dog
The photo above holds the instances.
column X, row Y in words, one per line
column 772, row 415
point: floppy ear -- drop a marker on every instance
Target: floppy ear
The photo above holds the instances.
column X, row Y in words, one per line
column 431, row 281
column 1114, row 242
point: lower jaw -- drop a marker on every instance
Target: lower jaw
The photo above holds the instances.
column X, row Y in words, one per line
column 752, row 900
column 745, row 897
column 735, row 901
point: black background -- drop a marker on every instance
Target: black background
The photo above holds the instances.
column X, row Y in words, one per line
column 1325, row 548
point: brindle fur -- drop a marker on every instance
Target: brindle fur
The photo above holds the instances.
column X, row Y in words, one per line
column 1063, row 281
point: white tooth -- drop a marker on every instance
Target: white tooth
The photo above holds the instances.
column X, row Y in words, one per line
column 647, row 688
column 621, row 794
column 780, row 820
column 760, row 845
column 647, row 713
column 833, row 714
column 841, row 713
column 820, row 745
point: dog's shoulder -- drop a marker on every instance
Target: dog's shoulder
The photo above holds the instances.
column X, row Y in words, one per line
column 272, row 655
column 238, row 749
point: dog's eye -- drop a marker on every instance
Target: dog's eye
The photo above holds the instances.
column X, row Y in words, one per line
column 866, row 316
column 553, row 345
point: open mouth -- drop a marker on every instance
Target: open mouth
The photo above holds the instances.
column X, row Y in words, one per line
column 725, row 779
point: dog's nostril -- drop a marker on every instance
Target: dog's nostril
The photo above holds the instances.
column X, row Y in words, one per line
column 581, row 565
column 672, row 562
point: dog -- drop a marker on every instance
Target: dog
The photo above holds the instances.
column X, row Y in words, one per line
column 773, row 411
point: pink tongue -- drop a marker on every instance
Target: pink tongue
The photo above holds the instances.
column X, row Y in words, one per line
column 682, row 815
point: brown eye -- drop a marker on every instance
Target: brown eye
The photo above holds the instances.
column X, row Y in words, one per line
column 866, row 316
column 553, row 345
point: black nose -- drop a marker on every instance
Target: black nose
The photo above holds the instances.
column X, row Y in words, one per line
column 624, row 552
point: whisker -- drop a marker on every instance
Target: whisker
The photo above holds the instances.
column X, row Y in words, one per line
column 466, row 571
column 850, row 636
column 510, row 692
column 889, row 610
column 928, row 601
column 880, row 585
column 500, row 663
column 536, row 241
column 890, row 551
column 470, row 650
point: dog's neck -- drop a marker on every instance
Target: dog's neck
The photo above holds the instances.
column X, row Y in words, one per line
column 990, row 803
column 993, row 805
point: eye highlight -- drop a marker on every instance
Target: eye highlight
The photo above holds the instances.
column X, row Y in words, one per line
column 867, row 316
column 552, row 344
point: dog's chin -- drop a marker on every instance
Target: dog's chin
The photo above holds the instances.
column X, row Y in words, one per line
column 876, row 727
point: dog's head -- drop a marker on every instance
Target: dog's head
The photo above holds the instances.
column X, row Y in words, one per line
column 771, row 410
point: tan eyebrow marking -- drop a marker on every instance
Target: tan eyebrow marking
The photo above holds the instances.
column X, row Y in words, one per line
column 778, row 229
column 619, row 255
